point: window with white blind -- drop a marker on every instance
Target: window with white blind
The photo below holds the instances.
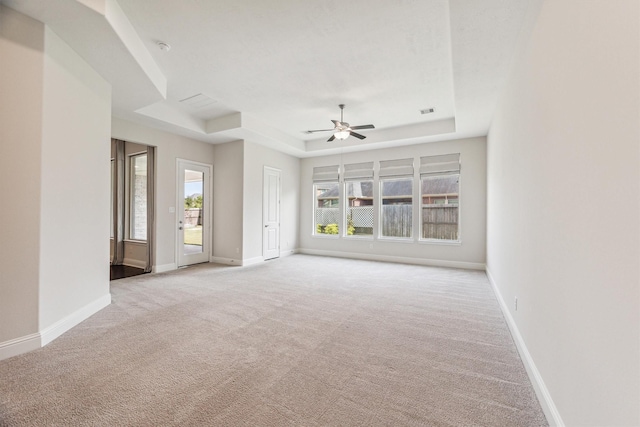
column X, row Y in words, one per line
column 359, row 202
column 396, row 198
column 439, row 194
column 326, row 199
column 138, row 193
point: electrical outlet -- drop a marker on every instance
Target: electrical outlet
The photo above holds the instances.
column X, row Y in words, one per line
column 515, row 303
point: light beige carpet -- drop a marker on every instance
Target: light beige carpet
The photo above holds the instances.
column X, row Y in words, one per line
column 298, row 341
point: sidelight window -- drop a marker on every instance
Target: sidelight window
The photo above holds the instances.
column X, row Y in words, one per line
column 138, row 199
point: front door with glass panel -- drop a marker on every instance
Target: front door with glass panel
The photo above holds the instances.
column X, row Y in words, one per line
column 193, row 213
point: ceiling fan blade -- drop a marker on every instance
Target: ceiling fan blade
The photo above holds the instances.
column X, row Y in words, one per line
column 357, row 135
column 317, row 130
column 332, row 138
column 363, row 127
column 336, row 122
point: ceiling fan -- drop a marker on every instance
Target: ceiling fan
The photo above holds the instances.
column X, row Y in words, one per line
column 342, row 129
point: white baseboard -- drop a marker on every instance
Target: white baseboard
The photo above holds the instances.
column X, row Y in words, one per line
column 246, row 262
column 225, row 261
column 165, row 267
column 134, row 263
column 52, row 332
column 32, row 342
column 544, row 397
column 402, row 260
column 250, row 261
column 19, row 345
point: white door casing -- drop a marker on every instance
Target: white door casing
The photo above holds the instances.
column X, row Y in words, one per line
column 271, row 213
column 193, row 227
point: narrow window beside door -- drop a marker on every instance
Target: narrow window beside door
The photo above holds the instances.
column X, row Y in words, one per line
column 138, row 202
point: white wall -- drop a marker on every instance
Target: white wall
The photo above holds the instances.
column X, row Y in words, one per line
column 470, row 253
column 228, row 178
column 55, row 135
column 256, row 157
column 21, row 81
column 170, row 147
column 75, row 184
column 563, row 207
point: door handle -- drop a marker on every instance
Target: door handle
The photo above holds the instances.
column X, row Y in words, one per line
column 266, row 225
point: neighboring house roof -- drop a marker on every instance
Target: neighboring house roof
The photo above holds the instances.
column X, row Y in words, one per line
column 447, row 184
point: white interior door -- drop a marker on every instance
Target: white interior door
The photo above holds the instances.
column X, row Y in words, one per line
column 271, row 213
column 193, row 210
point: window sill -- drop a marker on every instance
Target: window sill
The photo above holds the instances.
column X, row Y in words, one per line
column 396, row 240
column 440, row 242
column 325, row 236
column 136, row 242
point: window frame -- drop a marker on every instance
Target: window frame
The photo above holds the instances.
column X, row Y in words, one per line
column 112, row 217
column 421, row 211
column 346, row 207
column 314, row 232
column 131, row 198
column 412, row 170
column 381, row 181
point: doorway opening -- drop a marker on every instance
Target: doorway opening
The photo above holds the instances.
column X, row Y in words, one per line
column 132, row 239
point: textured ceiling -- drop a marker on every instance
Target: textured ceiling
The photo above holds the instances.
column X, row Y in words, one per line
column 275, row 68
column 290, row 63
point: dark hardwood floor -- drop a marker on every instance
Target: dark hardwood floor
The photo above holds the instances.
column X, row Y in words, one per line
column 122, row 271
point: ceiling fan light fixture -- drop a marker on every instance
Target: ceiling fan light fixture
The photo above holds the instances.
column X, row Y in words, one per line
column 342, row 129
column 342, row 135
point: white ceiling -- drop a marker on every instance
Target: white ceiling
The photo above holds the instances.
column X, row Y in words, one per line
column 271, row 69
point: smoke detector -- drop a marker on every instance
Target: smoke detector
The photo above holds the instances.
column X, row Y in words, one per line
column 165, row 47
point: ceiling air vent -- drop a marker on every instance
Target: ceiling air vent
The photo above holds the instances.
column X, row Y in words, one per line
column 198, row 102
column 427, row 111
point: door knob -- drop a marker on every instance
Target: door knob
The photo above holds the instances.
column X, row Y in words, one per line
column 266, row 225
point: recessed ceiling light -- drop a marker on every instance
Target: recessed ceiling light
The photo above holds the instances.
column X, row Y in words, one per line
column 427, row 111
column 165, row 47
